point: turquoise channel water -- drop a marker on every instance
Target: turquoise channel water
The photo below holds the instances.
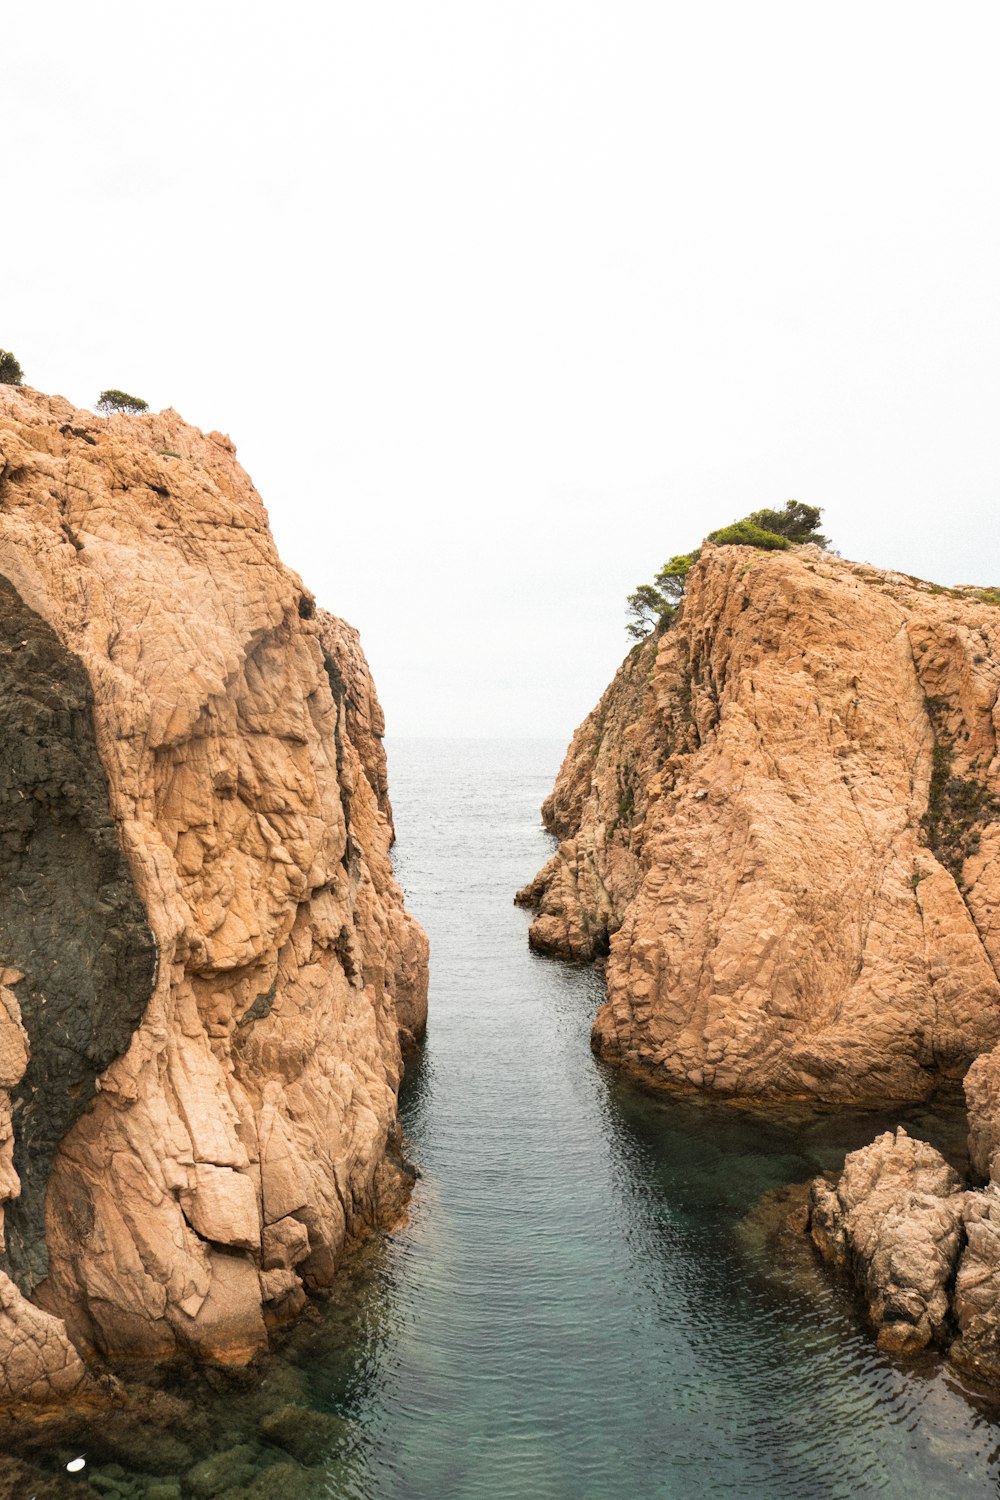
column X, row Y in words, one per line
column 587, row 1301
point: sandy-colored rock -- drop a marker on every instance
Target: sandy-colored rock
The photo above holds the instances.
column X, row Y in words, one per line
column 221, row 1205
column 13, row 1040
column 39, row 1363
column 208, row 972
column 976, row 1293
column 782, row 821
column 982, row 1097
column 924, row 1252
column 284, row 1244
column 13, row 1063
column 894, row 1219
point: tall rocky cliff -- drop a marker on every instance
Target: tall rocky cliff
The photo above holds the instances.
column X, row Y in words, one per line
column 781, row 824
column 207, row 977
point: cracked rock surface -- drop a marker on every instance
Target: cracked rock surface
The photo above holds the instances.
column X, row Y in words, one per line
column 781, row 823
column 207, row 974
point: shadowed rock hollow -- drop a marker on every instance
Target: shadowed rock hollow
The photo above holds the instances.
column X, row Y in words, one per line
column 208, row 977
column 781, row 820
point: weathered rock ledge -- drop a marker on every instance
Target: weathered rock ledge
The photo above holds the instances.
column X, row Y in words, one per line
column 780, row 823
column 207, row 976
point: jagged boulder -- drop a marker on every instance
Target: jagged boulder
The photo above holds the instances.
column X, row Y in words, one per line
column 894, row 1219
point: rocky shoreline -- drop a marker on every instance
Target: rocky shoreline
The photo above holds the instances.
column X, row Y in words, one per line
column 781, row 824
column 163, row 1432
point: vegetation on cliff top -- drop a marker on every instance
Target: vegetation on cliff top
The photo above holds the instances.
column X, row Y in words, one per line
column 109, row 401
column 653, row 605
column 10, row 368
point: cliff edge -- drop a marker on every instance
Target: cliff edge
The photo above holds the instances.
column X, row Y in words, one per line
column 781, row 825
column 207, row 977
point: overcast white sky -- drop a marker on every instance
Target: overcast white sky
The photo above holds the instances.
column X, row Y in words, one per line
column 505, row 301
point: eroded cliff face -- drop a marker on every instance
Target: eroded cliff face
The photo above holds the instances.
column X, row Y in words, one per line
column 781, row 823
column 207, row 976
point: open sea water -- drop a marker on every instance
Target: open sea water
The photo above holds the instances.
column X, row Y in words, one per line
column 588, row 1301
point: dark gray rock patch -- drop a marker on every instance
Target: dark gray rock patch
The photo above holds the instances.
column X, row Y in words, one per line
column 70, row 918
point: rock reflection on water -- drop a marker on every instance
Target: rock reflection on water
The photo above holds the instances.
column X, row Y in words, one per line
column 593, row 1298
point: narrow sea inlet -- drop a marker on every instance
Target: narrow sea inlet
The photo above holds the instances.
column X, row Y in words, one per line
column 580, row 1307
column 587, row 1302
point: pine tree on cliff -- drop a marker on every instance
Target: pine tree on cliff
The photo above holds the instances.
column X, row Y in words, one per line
column 109, row 401
column 10, row 368
column 655, row 604
column 798, row 522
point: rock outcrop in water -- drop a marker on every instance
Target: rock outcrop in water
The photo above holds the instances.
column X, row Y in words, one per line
column 781, row 824
column 207, row 976
column 895, row 1219
column 923, row 1248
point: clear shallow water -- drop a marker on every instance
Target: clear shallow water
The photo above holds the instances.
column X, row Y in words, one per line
column 585, row 1304
column 576, row 1310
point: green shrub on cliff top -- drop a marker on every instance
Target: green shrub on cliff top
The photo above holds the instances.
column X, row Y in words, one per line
column 746, row 534
column 109, row 401
column 10, row 369
column 653, row 605
column 798, row 522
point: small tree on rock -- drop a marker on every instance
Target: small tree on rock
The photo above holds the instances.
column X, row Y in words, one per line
column 671, row 580
column 798, row 522
column 647, row 608
column 109, row 401
column 10, row 369
column 654, row 605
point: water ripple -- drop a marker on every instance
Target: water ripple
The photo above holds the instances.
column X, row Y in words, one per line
column 581, row 1313
column 586, row 1303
